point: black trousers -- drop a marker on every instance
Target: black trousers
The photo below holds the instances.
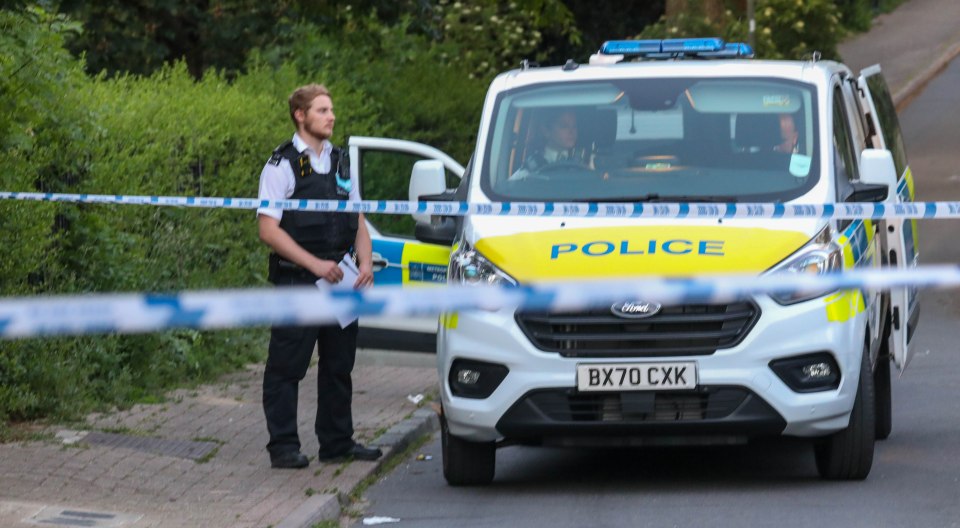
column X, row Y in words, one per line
column 289, row 354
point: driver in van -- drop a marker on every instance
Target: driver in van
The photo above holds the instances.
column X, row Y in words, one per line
column 557, row 143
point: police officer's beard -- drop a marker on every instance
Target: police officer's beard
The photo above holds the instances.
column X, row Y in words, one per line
column 315, row 129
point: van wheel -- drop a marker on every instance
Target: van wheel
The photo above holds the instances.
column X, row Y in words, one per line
column 848, row 454
column 883, row 395
column 466, row 463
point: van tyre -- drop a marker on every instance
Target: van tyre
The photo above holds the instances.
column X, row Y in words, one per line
column 884, row 395
column 466, row 463
column 848, row 454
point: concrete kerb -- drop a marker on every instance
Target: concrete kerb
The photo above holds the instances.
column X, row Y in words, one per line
column 327, row 506
column 906, row 94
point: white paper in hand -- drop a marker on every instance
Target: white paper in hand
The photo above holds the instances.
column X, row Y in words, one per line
column 350, row 274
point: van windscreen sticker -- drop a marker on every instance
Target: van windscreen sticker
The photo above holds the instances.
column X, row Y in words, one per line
column 800, row 165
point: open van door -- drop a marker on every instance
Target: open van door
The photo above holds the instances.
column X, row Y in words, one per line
column 899, row 244
column 383, row 167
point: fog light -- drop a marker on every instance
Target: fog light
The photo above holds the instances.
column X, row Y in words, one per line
column 468, row 377
column 817, row 370
column 475, row 379
column 808, row 373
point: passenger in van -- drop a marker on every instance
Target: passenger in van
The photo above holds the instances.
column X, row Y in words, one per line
column 789, row 136
column 555, row 142
column 758, row 133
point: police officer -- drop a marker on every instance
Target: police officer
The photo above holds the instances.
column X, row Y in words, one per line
column 557, row 142
column 308, row 246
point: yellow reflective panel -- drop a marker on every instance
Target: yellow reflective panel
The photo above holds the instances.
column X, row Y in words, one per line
column 450, row 320
column 848, row 259
column 639, row 250
column 908, row 174
column 425, row 264
column 842, row 306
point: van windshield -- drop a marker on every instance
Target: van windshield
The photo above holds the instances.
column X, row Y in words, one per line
column 682, row 139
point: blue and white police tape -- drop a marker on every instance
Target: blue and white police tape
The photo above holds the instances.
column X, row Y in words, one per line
column 565, row 209
column 134, row 313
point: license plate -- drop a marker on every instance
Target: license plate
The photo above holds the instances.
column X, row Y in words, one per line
column 636, row 376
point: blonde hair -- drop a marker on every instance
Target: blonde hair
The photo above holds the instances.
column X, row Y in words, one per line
column 301, row 98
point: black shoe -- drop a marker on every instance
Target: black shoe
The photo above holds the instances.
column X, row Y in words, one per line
column 357, row 452
column 289, row 460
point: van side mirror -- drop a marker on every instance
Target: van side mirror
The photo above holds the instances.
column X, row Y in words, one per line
column 442, row 233
column 427, row 177
column 876, row 170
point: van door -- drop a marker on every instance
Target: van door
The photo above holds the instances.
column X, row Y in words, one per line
column 383, row 167
column 899, row 244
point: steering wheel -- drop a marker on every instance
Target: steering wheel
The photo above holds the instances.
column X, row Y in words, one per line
column 562, row 166
column 562, row 170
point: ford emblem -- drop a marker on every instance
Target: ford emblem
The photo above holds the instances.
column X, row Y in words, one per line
column 635, row 310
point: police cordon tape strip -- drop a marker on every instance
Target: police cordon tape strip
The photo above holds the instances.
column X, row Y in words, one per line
column 566, row 209
column 134, row 313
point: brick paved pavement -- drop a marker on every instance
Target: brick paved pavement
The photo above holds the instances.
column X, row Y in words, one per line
column 232, row 486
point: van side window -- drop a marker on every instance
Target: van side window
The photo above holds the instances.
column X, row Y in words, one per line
column 386, row 176
column 844, row 152
column 861, row 127
column 889, row 124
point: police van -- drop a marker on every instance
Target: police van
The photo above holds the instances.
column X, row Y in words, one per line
column 688, row 120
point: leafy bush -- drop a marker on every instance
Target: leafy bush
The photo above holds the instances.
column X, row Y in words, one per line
column 786, row 29
column 170, row 134
column 33, row 68
column 163, row 134
column 855, row 15
column 490, row 36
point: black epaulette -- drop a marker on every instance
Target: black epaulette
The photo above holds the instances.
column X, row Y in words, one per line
column 278, row 153
column 299, row 163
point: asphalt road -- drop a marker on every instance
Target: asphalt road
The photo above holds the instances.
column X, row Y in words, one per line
column 915, row 479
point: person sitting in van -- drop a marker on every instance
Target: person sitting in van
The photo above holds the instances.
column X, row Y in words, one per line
column 556, row 143
column 767, row 132
column 789, row 136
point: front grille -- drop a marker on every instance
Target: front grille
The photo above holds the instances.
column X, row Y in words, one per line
column 572, row 406
column 555, row 414
column 689, row 330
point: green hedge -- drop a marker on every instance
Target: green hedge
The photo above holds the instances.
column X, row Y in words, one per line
column 169, row 134
column 786, row 29
column 164, row 134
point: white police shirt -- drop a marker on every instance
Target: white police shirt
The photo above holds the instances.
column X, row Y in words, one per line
column 277, row 181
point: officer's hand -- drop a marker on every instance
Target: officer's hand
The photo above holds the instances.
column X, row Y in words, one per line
column 327, row 269
column 365, row 278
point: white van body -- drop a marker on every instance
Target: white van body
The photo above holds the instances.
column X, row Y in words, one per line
column 636, row 373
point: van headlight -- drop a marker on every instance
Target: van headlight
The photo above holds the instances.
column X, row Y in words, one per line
column 469, row 267
column 819, row 257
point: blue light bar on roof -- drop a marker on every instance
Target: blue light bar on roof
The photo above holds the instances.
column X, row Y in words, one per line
column 692, row 45
column 732, row 50
column 630, row 47
column 707, row 48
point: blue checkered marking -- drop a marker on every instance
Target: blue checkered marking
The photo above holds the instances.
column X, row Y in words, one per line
column 179, row 315
column 856, row 233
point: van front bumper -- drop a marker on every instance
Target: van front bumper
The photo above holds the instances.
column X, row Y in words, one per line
column 737, row 392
